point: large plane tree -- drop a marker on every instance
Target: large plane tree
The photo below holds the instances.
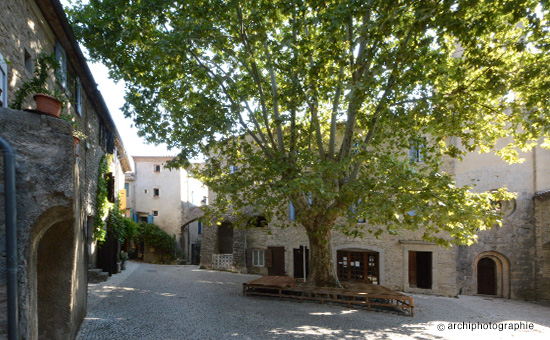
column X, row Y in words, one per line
column 347, row 110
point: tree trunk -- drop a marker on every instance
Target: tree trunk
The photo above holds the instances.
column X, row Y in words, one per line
column 321, row 264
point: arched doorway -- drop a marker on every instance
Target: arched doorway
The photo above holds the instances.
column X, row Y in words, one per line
column 486, row 277
column 492, row 274
column 55, row 261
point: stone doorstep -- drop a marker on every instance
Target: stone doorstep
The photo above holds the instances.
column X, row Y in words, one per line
column 96, row 275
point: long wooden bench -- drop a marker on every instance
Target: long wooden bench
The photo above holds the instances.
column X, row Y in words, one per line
column 367, row 295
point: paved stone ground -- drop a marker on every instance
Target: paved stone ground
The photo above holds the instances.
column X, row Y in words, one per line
column 183, row 302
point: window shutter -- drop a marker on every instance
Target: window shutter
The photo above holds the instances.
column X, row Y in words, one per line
column 110, row 145
column 150, row 219
column 412, row 154
column 268, row 258
column 412, row 269
column 136, row 218
column 291, row 213
column 249, row 258
column 3, row 82
column 61, row 57
column 200, row 228
column 78, row 96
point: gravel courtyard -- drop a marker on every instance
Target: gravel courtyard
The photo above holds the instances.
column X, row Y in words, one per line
column 149, row 301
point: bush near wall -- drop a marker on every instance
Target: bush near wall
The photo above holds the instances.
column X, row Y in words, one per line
column 164, row 244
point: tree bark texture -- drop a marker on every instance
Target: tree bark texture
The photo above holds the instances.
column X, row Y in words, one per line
column 323, row 270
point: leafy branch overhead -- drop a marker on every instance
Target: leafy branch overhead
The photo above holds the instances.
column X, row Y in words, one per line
column 319, row 102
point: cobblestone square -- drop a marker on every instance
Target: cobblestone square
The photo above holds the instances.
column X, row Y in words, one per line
column 149, row 301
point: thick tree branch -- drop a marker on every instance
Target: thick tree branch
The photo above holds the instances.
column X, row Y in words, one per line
column 256, row 76
column 275, row 96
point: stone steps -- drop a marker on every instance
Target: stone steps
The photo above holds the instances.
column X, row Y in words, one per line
column 96, row 275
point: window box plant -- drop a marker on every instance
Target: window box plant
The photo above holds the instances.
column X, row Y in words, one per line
column 47, row 101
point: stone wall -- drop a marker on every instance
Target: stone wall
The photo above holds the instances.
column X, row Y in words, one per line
column 393, row 254
column 513, row 243
column 542, row 232
column 52, row 273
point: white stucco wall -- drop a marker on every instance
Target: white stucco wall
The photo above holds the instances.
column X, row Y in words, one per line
column 168, row 202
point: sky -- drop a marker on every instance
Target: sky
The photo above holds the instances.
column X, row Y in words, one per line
column 113, row 93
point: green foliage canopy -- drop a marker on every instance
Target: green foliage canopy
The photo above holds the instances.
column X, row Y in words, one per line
column 319, row 101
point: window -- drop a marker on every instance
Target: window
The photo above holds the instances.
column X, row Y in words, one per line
column 28, row 61
column 200, row 228
column 143, row 219
column 359, row 266
column 258, row 258
column 156, row 192
column 145, row 191
column 155, row 212
column 292, row 212
column 156, row 168
column 78, row 96
column 61, row 57
column 3, row 82
column 420, row 269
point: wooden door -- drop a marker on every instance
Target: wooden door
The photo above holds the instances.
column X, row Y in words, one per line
column 486, row 277
column 277, row 261
column 299, row 262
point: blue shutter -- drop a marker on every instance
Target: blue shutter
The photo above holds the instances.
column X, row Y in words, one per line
column 127, row 187
column 200, row 228
column 292, row 213
column 78, row 95
column 310, row 200
column 412, row 154
column 136, row 217
column 150, row 218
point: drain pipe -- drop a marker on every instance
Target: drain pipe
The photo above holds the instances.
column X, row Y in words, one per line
column 11, row 239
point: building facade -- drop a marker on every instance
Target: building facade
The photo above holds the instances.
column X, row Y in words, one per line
column 509, row 261
column 169, row 198
column 56, row 182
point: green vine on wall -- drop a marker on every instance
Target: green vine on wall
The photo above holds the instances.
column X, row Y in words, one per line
column 103, row 206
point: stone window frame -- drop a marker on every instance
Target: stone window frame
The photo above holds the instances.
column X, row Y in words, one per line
column 414, row 245
column 155, row 213
column 155, row 168
column 3, row 81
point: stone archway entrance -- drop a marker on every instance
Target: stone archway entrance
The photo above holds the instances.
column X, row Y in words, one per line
column 54, row 268
column 492, row 273
column 486, row 276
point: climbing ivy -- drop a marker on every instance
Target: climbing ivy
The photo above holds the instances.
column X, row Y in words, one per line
column 103, row 206
column 157, row 238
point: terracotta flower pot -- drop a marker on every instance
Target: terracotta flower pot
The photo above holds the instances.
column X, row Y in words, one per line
column 47, row 104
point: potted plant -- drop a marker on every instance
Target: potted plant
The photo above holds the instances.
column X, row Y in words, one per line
column 49, row 102
column 78, row 134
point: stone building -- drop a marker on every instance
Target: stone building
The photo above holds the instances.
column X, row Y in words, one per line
column 55, row 188
column 169, row 198
column 511, row 261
